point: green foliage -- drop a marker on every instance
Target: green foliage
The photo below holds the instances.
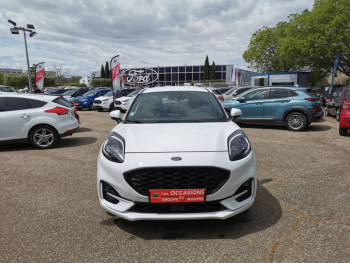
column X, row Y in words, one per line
column 77, row 84
column 21, row 81
column 1, row 78
column 215, row 80
column 206, row 75
column 212, row 73
column 101, row 83
column 192, row 83
column 74, row 79
column 102, row 72
column 107, row 71
column 310, row 39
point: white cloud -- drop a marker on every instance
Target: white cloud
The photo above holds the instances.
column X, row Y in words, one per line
column 86, row 34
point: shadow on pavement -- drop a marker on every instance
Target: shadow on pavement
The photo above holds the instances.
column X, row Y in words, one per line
column 62, row 143
column 311, row 128
column 83, row 129
column 259, row 217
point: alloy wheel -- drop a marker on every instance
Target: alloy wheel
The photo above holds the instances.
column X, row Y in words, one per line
column 295, row 122
column 43, row 137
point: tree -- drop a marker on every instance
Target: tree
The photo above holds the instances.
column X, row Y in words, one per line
column 1, row 78
column 61, row 73
column 74, row 79
column 320, row 34
column 206, row 75
column 212, row 73
column 106, row 71
column 102, row 72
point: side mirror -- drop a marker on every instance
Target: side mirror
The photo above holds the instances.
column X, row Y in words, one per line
column 241, row 99
column 235, row 113
column 116, row 115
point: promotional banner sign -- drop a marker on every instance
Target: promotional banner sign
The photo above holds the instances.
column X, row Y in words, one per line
column 242, row 77
column 39, row 75
column 115, row 70
column 237, row 76
column 334, row 71
column 233, row 75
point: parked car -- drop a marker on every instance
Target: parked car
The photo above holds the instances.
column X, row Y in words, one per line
column 293, row 106
column 218, row 92
column 123, row 103
column 87, row 99
column 336, row 102
column 57, row 91
column 324, row 92
column 105, row 102
column 178, row 159
column 344, row 120
column 238, row 92
column 228, row 94
column 41, row 120
column 71, row 94
column 6, row 89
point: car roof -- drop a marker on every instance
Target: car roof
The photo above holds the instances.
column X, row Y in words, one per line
column 175, row 88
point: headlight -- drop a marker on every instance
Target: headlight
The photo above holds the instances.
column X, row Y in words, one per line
column 238, row 145
column 114, row 148
column 125, row 100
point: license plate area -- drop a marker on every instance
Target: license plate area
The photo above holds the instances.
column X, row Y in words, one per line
column 177, row 196
column 76, row 104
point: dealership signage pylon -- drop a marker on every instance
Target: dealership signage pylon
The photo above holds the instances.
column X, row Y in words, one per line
column 115, row 70
column 40, row 75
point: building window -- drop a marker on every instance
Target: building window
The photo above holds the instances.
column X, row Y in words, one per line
column 168, row 69
column 188, row 69
column 182, row 76
column 196, row 69
column 181, row 69
column 175, row 69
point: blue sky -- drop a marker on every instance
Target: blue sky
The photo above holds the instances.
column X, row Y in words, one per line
column 81, row 35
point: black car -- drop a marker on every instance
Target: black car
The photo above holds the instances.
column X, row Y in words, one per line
column 73, row 93
column 324, row 92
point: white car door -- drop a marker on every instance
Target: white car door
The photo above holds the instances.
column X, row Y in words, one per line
column 16, row 115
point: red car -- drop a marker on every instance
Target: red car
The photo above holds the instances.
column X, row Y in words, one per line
column 337, row 102
column 344, row 120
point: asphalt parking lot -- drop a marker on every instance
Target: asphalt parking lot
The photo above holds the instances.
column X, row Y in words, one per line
column 50, row 210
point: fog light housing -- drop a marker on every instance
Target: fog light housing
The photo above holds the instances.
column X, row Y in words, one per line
column 109, row 193
column 315, row 110
column 347, row 120
column 245, row 190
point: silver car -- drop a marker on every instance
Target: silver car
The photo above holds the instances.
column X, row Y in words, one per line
column 238, row 90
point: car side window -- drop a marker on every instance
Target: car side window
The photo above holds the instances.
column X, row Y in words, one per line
column 279, row 93
column 256, row 95
column 13, row 104
column 37, row 103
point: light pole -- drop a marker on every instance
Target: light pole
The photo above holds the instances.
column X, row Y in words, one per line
column 15, row 30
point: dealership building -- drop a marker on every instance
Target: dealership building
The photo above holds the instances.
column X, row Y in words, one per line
column 175, row 75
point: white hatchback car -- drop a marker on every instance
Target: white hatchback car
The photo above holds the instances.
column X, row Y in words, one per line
column 176, row 155
column 40, row 119
column 123, row 103
column 104, row 102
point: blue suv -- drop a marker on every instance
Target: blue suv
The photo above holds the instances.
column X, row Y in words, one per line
column 87, row 99
column 293, row 106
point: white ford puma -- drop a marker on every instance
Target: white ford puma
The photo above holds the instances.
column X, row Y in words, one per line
column 176, row 155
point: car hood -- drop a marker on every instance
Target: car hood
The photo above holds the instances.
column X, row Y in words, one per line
column 176, row 137
column 102, row 98
column 81, row 98
column 120, row 98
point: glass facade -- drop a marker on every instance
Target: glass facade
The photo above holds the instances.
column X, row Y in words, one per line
column 175, row 76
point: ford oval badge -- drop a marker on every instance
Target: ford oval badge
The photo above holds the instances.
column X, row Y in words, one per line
column 176, row 158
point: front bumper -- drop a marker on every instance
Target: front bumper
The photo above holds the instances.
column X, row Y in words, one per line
column 318, row 116
column 112, row 173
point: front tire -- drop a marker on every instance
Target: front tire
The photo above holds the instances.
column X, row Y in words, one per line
column 343, row 131
column 296, row 121
column 100, row 109
column 111, row 107
column 337, row 115
column 91, row 106
column 43, row 137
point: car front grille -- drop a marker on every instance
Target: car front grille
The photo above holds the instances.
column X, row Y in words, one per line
column 144, row 179
column 213, row 206
column 97, row 101
column 117, row 102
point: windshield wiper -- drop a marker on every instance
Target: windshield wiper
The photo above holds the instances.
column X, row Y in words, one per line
column 136, row 121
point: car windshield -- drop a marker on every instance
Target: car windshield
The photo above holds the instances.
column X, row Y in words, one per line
column 109, row 94
column 134, row 93
column 229, row 92
column 68, row 93
column 90, row 93
column 176, row 106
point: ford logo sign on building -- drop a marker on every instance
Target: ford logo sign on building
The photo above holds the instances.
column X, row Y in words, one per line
column 176, row 158
column 142, row 77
